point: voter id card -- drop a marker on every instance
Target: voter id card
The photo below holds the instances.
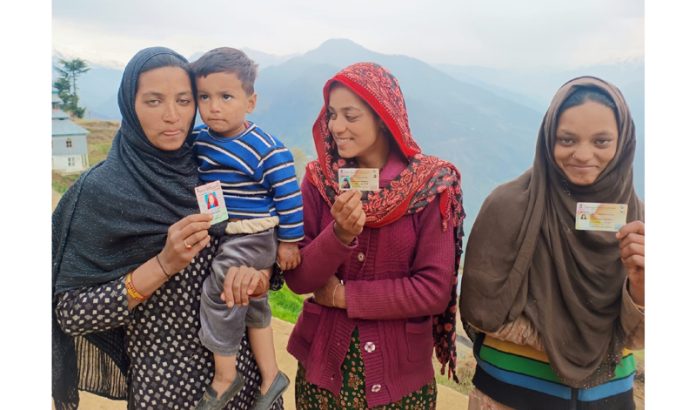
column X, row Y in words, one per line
column 361, row 179
column 593, row 216
column 211, row 201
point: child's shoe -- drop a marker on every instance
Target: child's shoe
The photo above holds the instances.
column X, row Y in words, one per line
column 210, row 401
column 265, row 401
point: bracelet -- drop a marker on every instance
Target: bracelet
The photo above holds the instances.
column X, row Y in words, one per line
column 162, row 266
column 132, row 292
column 333, row 294
column 352, row 241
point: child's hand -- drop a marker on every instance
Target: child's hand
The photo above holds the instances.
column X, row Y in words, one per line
column 288, row 256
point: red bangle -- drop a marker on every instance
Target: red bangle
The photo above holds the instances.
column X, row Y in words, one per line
column 131, row 289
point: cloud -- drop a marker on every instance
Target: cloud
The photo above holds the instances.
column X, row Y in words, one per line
column 497, row 33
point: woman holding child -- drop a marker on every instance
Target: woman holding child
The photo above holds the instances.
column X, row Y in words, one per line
column 130, row 252
column 381, row 264
column 552, row 309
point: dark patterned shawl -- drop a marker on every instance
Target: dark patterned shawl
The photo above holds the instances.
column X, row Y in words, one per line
column 114, row 218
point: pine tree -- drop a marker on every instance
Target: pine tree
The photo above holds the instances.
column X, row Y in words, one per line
column 67, row 84
column 62, row 85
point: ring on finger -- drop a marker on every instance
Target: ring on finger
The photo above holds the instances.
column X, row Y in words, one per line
column 187, row 245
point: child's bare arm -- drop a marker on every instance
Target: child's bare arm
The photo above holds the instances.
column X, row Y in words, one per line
column 288, row 255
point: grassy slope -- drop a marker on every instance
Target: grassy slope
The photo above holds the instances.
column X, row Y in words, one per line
column 285, row 304
column 101, row 133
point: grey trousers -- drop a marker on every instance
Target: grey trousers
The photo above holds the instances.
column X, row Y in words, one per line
column 222, row 328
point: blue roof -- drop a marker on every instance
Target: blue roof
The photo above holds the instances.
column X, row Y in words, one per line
column 62, row 127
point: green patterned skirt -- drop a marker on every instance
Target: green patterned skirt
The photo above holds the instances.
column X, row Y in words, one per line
column 311, row 397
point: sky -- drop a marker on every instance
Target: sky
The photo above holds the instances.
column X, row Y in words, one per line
column 497, row 33
column 528, row 34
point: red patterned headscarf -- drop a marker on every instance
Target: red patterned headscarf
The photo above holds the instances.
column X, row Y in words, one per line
column 423, row 180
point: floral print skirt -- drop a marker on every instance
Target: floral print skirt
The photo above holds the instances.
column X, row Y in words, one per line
column 311, row 397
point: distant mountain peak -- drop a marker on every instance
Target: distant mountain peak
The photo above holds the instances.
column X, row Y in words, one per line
column 262, row 58
column 339, row 51
column 342, row 43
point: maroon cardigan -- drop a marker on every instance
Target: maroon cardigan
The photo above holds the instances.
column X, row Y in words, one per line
column 396, row 278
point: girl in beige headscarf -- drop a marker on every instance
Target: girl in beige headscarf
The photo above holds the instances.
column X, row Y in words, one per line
column 550, row 308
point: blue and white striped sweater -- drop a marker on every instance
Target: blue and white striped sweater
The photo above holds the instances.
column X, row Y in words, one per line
column 257, row 174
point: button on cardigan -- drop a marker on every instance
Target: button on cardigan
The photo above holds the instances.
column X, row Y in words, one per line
column 396, row 277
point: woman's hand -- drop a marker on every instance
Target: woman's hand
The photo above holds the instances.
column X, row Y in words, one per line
column 241, row 282
column 332, row 294
column 349, row 215
column 185, row 239
column 632, row 245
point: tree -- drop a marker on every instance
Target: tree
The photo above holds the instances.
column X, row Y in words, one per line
column 62, row 85
column 67, row 84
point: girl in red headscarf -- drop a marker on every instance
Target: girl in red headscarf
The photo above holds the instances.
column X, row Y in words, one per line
column 382, row 265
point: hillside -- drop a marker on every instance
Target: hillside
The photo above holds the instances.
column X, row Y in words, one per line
column 101, row 133
column 484, row 121
column 536, row 88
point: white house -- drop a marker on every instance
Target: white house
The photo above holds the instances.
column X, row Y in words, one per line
column 69, row 142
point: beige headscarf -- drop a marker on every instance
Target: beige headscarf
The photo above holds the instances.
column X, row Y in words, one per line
column 525, row 256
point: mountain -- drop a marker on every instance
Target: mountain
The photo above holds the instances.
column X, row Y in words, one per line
column 261, row 58
column 98, row 87
column 475, row 118
column 536, row 88
column 488, row 137
column 264, row 59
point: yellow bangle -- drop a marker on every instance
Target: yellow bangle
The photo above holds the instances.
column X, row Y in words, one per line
column 132, row 292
